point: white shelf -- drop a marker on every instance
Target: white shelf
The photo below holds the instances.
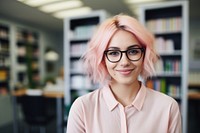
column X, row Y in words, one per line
column 5, row 63
column 75, row 56
column 173, row 53
column 174, row 39
column 168, row 74
column 79, row 39
column 26, row 37
column 77, row 72
column 81, row 89
column 77, row 32
column 167, row 32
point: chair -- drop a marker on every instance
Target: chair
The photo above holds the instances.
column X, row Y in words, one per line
column 35, row 112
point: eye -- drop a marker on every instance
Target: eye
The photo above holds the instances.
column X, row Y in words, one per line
column 133, row 51
column 113, row 53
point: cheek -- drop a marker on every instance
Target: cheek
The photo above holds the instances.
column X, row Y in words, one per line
column 139, row 66
column 110, row 66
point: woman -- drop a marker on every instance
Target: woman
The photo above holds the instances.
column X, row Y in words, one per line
column 120, row 52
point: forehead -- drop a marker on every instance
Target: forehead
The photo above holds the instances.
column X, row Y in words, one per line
column 123, row 39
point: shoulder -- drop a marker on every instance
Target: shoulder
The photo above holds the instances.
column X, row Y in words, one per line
column 91, row 96
column 161, row 98
column 87, row 99
column 83, row 103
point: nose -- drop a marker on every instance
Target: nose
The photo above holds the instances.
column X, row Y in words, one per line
column 124, row 60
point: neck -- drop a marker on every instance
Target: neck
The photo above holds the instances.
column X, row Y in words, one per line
column 125, row 94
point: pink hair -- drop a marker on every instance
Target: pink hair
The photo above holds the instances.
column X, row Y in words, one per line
column 93, row 58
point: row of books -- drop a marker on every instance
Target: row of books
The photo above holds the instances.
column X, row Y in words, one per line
column 161, row 86
column 4, row 61
column 164, row 45
column 4, row 47
column 23, row 67
column 78, row 49
column 23, row 78
column 21, row 51
column 168, row 66
column 165, row 25
column 28, row 37
column 80, row 82
column 3, row 75
column 174, row 91
column 4, row 33
column 83, row 32
column 157, row 84
column 194, row 77
column 76, row 66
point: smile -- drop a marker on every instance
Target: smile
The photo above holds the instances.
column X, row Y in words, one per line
column 125, row 72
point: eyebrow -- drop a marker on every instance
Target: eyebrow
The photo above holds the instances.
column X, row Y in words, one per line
column 117, row 48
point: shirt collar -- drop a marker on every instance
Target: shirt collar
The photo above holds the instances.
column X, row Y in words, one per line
column 138, row 102
column 109, row 98
column 112, row 102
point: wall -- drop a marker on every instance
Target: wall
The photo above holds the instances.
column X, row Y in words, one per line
column 5, row 110
column 194, row 37
column 54, row 41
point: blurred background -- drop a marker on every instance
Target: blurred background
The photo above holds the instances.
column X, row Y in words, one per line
column 41, row 42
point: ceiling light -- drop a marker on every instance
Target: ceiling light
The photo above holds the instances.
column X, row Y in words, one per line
column 140, row 1
column 21, row 0
column 61, row 5
column 35, row 3
column 72, row 12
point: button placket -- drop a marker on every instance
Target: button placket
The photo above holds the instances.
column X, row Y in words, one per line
column 123, row 119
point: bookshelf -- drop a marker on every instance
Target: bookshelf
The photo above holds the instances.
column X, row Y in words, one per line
column 20, row 46
column 27, row 62
column 4, row 59
column 169, row 23
column 77, row 32
column 194, row 85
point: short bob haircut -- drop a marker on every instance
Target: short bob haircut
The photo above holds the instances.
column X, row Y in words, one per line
column 93, row 59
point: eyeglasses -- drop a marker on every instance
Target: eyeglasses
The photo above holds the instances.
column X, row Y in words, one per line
column 133, row 54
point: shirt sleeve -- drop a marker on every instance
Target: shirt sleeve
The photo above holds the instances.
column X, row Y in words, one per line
column 175, row 125
column 75, row 122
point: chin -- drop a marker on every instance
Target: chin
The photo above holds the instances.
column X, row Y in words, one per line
column 127, row 81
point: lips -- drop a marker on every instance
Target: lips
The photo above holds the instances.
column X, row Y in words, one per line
column 125, row 71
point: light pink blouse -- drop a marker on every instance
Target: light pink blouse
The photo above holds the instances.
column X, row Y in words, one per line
column 100, row 112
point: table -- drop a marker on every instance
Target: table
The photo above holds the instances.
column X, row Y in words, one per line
column 50, row 94
column 192, row 94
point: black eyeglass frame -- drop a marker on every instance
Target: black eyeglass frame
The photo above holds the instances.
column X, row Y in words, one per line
column 126, row 52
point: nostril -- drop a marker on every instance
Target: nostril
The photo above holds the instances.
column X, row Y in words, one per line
column 124, row 61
